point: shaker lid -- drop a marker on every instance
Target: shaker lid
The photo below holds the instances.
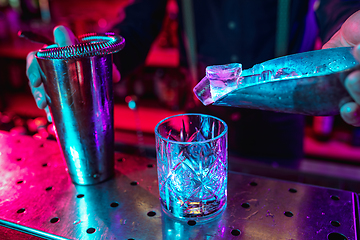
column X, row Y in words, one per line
column 91, row 44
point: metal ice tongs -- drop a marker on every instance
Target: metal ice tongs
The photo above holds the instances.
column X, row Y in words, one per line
column 308, row 83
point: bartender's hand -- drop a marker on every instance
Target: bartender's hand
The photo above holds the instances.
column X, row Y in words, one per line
column 62, row 37
column 349, row 35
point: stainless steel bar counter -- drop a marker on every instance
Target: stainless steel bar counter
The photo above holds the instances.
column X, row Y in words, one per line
column 38, row 198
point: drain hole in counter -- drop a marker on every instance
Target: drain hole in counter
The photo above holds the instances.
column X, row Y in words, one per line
column 114, row 204
column 80, row 195
column 245, row 205
column 335, row 223
column 54, row 220
column 288, row 214
column 334, row 197
column 134, row 183
column 91, row 230
column 235, row 232
column 292, row 190
column 336, row 236
column 191, row 222
column 253, row 184
column 151, row 213
column 21, row 210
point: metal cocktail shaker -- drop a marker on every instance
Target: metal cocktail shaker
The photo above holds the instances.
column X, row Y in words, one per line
column 78, row 84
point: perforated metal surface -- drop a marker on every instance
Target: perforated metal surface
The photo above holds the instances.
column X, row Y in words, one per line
column 38, row 197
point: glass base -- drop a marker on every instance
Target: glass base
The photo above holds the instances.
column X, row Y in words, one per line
column 199, row 219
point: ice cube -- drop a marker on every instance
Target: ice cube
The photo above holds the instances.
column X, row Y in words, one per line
column 202, row 91
column 223, row 78
column 227, row 71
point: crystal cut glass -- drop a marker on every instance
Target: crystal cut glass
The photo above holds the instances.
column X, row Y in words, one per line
column 192, row 166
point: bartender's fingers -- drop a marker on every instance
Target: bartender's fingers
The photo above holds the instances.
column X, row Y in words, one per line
column 48, row 115
column 337, row 40
column 356, row 52
column 39, row 96
column 32, row 70
column 348, row 35
column 352, row 84
column 116, row 74
column 350, row 112
column 64, row 36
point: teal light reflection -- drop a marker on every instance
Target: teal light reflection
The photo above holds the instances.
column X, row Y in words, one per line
column 77, row 163
column 176, row 231
column 132, row 105
column 72, row 134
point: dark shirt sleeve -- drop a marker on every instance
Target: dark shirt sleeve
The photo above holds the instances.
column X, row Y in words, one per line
column 331, row 14
column 142, row 24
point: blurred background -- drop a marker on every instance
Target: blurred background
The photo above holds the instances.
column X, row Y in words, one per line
column 150, row 93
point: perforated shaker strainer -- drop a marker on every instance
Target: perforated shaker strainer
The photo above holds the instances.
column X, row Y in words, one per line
column 90, row 44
